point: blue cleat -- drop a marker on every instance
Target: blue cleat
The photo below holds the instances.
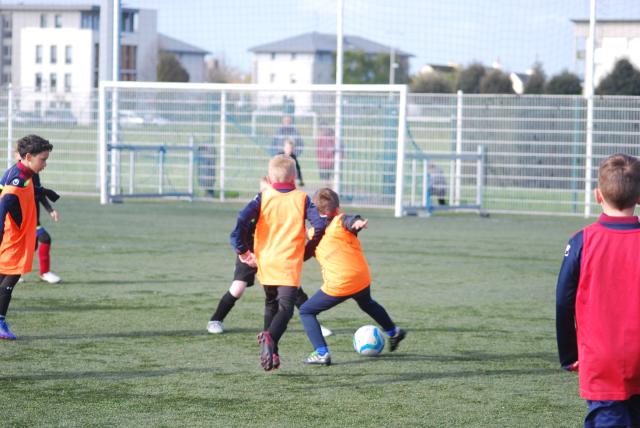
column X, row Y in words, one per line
column 5, row 332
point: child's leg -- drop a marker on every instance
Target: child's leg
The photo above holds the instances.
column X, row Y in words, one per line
column 608, row 414
column 229, row 300
column 374, row 310
column 44, row 248
column 301, row 297
column 319, row 302
column 633, row 405
column 270, row 304
column 7, row 282
column 286, row 297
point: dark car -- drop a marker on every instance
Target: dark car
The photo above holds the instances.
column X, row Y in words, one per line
column 59, row 116
column 26, row 117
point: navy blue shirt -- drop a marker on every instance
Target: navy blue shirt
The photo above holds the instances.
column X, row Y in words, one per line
column 567, row 288
column 249, row 215
column 18, row 175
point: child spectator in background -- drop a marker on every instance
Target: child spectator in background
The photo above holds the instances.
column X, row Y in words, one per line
column 325, row 153
column 288, row 149
column 437, row 183
column 18, row 220
column 346, row 276
column 598, row 300
column 287, row 131
column 279, row 245
column 43, row 239
column 243, row 277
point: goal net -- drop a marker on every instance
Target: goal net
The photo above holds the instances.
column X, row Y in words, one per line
column 215, row 140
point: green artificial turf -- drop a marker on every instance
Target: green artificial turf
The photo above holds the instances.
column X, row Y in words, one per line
column 122, row 341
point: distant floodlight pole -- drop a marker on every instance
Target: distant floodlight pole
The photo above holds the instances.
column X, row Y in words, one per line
column 588, row 93
column 337, row 154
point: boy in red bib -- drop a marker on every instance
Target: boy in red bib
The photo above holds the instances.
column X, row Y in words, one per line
column 598, row 300
column 346, row 276
column 18, row 220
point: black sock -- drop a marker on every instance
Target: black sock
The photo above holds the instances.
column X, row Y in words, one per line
column 224, row 307
column 7, row 282
column 301, row 297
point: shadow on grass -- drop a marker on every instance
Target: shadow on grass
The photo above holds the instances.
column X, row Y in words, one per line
column 102, row 375
column 85, row 308
column 126, row 335
column 461, row 358
column 392, row 378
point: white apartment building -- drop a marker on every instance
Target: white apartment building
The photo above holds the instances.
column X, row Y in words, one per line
column 52, row 53
column 615, row 39
column 306, row 59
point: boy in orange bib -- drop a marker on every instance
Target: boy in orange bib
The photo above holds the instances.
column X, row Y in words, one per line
column 18, row 220
column 346, row 276
column 279, row 213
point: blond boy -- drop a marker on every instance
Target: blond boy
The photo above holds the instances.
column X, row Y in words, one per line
column 280, row 212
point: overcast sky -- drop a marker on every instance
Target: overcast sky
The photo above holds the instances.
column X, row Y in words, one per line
column 515, row 32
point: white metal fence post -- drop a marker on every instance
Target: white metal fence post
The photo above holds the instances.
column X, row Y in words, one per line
column 223, row 138
column 191, row 165
column 9, row 126
column 588, row 158
column 402, row 129
column 456, row 198
column 102, row 143
column 479, row 176
column 588, row 92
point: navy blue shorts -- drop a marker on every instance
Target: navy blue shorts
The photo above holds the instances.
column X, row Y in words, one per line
column 613, row 413
column 244, row 273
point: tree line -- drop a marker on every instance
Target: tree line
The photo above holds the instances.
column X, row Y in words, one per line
column 475, row 78
column 624, row 79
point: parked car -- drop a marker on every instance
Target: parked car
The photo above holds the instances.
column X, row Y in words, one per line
column 130, row 117
column 59, row 116
column 155, row 119
column 26, row 117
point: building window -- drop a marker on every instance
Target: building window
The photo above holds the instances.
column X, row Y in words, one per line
column 58, row 21
column 129, row 22
column 38, row 106
column 293, row 56
column 38, row 54
column 54, row 54
column 68, row 51
column 53, row 82
column 43, row 21
column 67, row 82
column 128, row 62
column 6, row 53
column 90, row 20
column 52, row 105
column 273, row 55
column 38, row 83
column 6, row 26
column 96, row 65
column 6, row 78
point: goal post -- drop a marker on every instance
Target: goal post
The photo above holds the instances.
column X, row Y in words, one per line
column 236, row 123
column 423, row 189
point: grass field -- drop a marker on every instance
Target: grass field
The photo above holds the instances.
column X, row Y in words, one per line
column 122, row 340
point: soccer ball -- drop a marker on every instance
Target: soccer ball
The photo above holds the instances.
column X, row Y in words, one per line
column 368, row 340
